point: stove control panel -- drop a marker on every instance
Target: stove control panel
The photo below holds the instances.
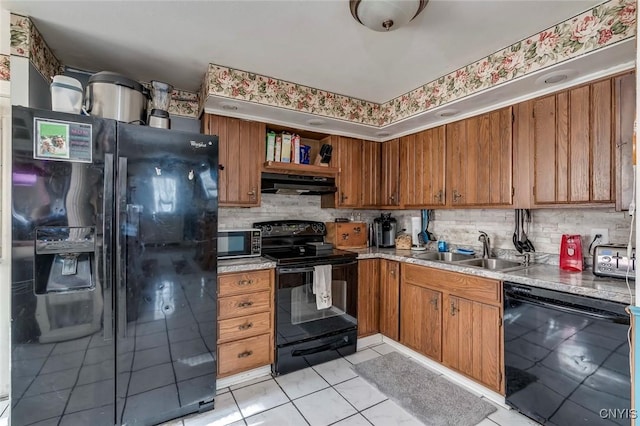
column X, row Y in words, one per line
column 291, row 228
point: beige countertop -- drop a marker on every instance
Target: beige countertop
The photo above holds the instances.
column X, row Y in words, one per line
column 537, row 275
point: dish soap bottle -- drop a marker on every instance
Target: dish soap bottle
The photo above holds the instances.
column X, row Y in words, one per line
column 442, row 244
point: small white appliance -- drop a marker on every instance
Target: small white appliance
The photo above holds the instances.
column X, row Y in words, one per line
column 66, row 94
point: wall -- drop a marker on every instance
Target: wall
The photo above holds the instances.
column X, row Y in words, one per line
column 458, row 227
column 39, row 89
column 5, row 208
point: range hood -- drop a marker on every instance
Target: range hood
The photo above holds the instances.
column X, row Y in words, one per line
column 276, row 183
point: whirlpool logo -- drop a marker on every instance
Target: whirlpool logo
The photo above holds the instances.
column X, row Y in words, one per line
column 195, row 144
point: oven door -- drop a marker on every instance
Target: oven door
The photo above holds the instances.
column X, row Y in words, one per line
column 298, row 317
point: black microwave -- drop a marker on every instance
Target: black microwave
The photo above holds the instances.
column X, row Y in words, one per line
column 239, row 243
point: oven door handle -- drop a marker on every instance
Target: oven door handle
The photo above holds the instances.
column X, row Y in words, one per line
column 328, row 346
column 293, row 270
column 603, row 315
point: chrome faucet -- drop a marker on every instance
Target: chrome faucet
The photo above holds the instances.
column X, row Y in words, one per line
column 486, row 244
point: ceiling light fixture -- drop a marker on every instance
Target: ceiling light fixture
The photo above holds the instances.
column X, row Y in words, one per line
column 385, row 15
column 448, row 112
column 383, row 134
column 555, row 78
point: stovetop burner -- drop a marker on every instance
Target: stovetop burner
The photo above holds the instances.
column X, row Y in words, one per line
column 285, row 242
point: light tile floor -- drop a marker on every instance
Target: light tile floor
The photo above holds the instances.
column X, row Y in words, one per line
column 326, row 394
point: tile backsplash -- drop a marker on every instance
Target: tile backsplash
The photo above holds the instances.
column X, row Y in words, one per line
column 545, row 231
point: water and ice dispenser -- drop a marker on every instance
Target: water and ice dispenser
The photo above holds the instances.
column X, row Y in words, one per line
column 69, row 299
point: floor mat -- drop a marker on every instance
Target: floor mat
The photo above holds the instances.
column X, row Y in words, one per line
column 431, row 398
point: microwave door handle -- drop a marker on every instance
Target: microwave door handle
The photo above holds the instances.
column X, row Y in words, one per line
column 563, row 308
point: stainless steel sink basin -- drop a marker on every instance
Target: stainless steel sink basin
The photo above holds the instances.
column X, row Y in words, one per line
column 442, row 256
column 491, row 264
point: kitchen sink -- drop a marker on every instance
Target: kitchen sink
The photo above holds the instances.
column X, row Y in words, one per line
column 491, row 264
column 443, row 256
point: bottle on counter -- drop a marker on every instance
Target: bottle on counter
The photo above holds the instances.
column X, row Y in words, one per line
column 442, row 244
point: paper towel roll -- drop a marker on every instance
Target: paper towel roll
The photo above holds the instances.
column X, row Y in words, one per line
column 416, row 225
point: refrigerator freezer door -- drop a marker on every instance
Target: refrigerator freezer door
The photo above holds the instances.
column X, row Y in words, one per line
column 62, row 352
column 166, row 213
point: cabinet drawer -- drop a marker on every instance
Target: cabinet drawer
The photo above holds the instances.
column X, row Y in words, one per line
column 463, row 285
column 244, row 282
column 244, row 304
column 350, row 234
column 244, row 354
column 243, row 327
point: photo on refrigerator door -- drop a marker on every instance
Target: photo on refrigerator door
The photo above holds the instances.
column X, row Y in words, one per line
column 51, row 140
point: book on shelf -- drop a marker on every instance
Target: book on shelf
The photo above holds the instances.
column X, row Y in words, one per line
column 271, row 146
column 285, row 155
column 295, row 148
column 278, row 150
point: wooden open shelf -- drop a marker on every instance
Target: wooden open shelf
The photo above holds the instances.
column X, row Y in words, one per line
column 300, row 169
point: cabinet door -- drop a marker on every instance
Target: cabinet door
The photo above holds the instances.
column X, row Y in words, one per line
column 421, row 319
column 422, row 176
column 241, row 144
column 368, row 297
column 472, row 342
column 479, row 161
column 573, row 156
column 389, row 298
column 348, row 157
column 624, row 107
column 371, row 165
column 390, row 174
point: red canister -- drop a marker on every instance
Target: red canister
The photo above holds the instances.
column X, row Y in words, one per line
column 571, row 253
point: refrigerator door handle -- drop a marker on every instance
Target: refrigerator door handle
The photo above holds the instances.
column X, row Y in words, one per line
column 107, row 229
column 121, row 270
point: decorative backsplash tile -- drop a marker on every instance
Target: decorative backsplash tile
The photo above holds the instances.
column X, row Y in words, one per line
column 5, row 68
column 603, row 25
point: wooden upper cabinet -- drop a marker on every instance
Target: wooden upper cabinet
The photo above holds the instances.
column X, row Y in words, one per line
column 240, row 152
column 371, row 178
column 571, row 142
column 479, row 160
column 422, row 175
column 390, row 174
column 624, row 89
column 347, row 156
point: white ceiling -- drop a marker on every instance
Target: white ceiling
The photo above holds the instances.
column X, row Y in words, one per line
column 315, row 43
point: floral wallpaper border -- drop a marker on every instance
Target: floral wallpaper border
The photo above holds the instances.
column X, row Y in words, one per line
column 26, row 41
column 5, row 68
column 603, row 25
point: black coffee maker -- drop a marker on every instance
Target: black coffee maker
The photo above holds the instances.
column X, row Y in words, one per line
column 385, row 229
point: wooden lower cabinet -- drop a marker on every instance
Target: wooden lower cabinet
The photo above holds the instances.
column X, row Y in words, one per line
column 455, row 319
column 368, row 297
column 471, row 340
column 245, row 321
column 421, row 320
column 390, row 298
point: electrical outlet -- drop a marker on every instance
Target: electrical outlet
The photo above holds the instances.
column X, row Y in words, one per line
column 604, row 239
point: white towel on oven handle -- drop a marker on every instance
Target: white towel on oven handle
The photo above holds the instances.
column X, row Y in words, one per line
column 322, row 286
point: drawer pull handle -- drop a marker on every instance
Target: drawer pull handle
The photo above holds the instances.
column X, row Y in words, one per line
column 245, row 354
column 245, row 326
column 245, row 282
column 244, row 304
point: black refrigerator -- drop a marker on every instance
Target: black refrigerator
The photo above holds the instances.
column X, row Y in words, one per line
column 113, row 297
